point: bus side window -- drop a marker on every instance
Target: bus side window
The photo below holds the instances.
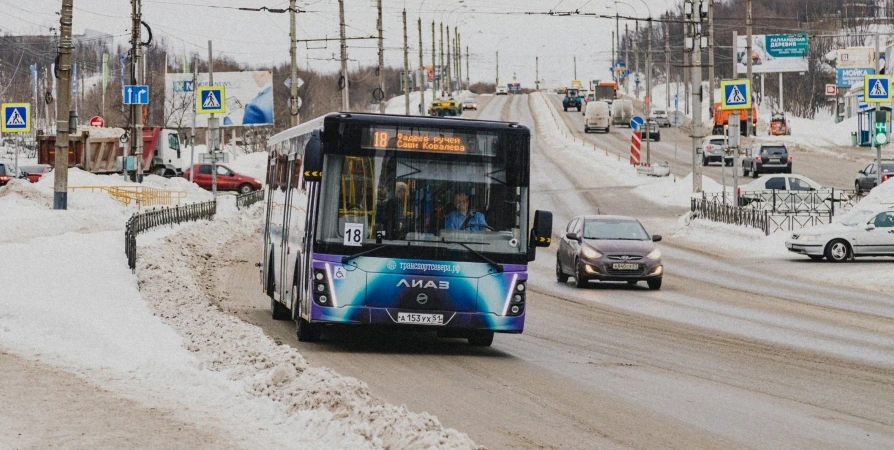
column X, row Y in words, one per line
column 296, row 175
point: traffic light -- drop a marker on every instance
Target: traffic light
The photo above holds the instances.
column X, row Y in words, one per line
column 881, row 127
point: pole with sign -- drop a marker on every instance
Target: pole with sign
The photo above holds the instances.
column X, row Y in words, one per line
column 16, row 119
column 877, row 89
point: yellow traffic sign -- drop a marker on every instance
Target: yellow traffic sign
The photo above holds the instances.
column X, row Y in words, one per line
column 735, row 94
column 211, row 100
column 16, row 118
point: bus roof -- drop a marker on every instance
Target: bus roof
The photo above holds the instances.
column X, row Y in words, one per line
column 298, row 130
column 422, row 121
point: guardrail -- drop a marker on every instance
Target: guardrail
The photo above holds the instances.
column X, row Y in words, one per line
column 142, row 195
column 141, row 222
column 246, row 200
column 726, row 213
column 823, row 201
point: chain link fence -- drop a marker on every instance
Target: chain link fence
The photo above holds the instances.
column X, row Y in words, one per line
column 142, row 222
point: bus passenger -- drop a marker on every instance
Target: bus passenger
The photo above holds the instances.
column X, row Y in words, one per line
column 396, row 216
column 463, row 219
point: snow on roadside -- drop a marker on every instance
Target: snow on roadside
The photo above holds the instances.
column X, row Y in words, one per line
column 263, row 369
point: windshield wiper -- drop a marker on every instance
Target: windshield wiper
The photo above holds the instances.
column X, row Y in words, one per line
column 346, row 258
column 494, row 264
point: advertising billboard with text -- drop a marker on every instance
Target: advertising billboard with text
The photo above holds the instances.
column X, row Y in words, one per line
column 773, row 53
column 249, row 99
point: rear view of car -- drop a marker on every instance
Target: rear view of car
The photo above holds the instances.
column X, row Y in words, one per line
column 470, row 103
column 768, row 158
column 712, row 151
column 868, row 178
column 660, row 117
column 597, row 117
column 6, row 174
column 33, row 173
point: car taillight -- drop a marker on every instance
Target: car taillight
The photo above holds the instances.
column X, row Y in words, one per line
column 757, row 158
column 884, row 178
column 4, row 178
column 739, row 191
column 789, row 158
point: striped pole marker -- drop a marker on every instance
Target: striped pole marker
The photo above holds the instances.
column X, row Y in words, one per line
column 635, row 141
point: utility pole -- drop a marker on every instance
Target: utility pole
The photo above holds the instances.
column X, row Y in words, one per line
column 436, row 79
column 345, row 88
column 711, row 82
column 627, row 57
column 667, row 61
column 441, row 59
column 612, row 65
column 748, row 118
column 693, row 42
column 381, row 58
column 422, row 76
column 449, row 56
column 636, row 62
column 537, row 73
column 459, row 60
column 293, row 51
column 498, row 68
column 213, row 137
column 468, row 82
column 406, row 68
column 575, row 67
column 687, row 68
column 192, row 135
column 615, row 74
column 648, row 102
column 137, row 64
column 60, row 177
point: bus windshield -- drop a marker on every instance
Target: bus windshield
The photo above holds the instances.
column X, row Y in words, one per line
column 423, row 200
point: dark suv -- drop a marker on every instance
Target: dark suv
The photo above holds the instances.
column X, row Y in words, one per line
column 867, row 178
column 766, row 158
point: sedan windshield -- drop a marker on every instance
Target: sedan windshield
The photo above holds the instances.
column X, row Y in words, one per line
column 857, row 218
column 620, row 229
column 3, row 170
column 774, row 150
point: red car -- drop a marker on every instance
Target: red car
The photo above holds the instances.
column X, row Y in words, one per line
column 36, row 171
column 227, row 180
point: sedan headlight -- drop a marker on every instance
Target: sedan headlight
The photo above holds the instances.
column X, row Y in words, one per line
column 591, row 253
column 258, row 181
column 654, row 254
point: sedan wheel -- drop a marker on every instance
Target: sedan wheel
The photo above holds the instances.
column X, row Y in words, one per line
column 858, row 188
column 838, row 251
column 579, row 279
column 654, row 284
column 560, row 276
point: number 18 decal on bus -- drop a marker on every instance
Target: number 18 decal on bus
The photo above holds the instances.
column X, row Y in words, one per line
column 413, row 222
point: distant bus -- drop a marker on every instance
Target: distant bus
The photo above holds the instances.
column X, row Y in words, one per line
column 360, row 225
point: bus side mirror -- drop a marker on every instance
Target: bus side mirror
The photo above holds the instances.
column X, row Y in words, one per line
column 542, row 231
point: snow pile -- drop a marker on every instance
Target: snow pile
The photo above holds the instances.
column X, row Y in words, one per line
column 252, row 164
column 331, row 406
column 880, row 196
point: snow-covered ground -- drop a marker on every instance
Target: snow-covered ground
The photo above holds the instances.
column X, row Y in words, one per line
column 156, row 339
column 723, row 240
column 397, row 104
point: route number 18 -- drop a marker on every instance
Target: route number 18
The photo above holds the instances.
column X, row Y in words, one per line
column 380, row 139
column 353, row 234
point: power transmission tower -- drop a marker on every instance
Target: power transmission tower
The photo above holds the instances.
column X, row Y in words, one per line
column 60, row 177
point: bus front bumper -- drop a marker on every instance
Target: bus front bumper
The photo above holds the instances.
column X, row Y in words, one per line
column 433, row 319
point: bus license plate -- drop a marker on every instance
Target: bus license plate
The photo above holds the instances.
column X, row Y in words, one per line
column 420, row 319
column 625, row 266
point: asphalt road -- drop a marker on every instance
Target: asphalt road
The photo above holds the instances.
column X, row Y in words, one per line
column 729, row 354
column 829, row 166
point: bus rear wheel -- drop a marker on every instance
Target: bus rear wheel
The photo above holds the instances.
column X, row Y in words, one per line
column 481, row 338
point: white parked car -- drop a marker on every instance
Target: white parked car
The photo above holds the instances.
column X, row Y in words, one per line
column 861, row 233
column 790, row 193
column 712, row 150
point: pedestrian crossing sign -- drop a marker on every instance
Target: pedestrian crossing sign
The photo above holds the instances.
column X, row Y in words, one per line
column 16, row 118
column 877, row 88
column 735, row 94
column 211, row 100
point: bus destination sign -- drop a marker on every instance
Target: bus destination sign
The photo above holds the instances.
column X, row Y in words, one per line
column 416, row 140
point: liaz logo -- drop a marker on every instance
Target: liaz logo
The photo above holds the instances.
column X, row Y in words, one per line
column 423, row 284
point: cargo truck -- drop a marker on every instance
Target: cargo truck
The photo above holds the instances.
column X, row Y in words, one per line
column 721, row 119
column 97, row 150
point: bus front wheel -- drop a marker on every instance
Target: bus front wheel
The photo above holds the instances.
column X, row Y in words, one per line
column 308, row 332
column 481, row 338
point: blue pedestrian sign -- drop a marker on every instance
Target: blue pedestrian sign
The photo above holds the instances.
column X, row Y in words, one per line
column 136, row 95
column 877, row 88
column 735, row 94
column 211, row 100
column 635, row 122
column 16, row 118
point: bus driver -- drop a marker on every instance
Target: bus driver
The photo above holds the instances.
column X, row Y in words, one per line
column 463, row 219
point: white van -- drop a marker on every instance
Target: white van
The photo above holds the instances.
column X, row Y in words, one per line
column 622, row 112
column 597, row 117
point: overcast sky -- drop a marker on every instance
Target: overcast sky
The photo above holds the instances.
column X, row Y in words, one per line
column 261, row 38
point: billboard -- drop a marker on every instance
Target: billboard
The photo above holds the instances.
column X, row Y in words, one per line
column 856, row 57
column 851, row 76
column 249, row 99
column 772, row 53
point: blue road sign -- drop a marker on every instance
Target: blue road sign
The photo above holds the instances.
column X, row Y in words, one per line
column 211, row 100
column 136, row 95
column 877, row 89
column 635, row 122
column 736, row 94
